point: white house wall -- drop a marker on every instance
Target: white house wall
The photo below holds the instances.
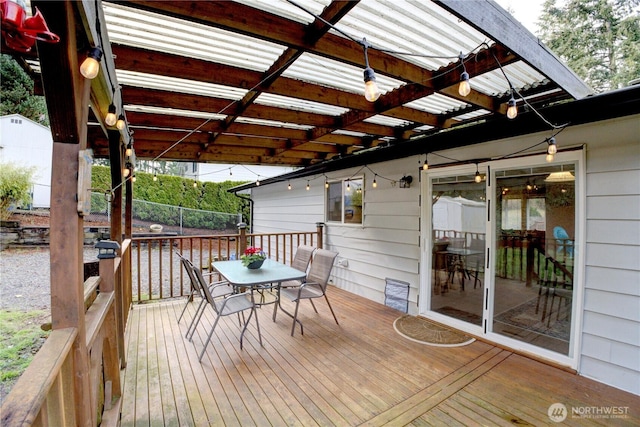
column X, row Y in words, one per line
column 28, row 144
column 387, row 245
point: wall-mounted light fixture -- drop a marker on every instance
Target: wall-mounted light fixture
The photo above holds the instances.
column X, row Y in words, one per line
column 405, row 181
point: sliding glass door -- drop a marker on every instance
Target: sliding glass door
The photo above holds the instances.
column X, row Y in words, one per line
column 458, row 212
column 535, row 251
column 502, row 252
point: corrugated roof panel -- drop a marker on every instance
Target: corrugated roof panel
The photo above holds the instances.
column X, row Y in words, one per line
column 174, row 112
column 289, row 10
column 494, row 83
column 327, row 72
column 154, row 81
column 416, row 27
column 299, row 104
column 437, row 104
column 171, row 35
column 349, row 133
column 272, row 123
column 386, row 121
column 472, row 115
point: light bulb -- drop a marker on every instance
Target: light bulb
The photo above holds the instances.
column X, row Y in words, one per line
column 512, row 110
column 308, row 187
column 552, row 148
column 425, row 166
column 549, row 158
column 195, row 184
column 478, row 177
column 133, row 178
column 155, row 177
column 91, row 66
column 348, row 186
column 371, row 91
column 289, row 186
column 126, row 172
column 257, row 183
column 120, row 122
column 464, row 88
column 326, row 184
column 111, row 118
column 375, row 184
column 129, row 151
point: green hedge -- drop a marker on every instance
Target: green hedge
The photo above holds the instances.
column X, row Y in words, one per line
column 178, row 192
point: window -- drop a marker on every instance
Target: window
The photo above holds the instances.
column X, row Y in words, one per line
column 344, row 201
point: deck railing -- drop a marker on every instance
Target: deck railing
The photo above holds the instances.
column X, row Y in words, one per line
column 155, row 268
column 44, row 395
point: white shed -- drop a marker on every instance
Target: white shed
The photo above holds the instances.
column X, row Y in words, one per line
column 459, row 214
column 26, row 143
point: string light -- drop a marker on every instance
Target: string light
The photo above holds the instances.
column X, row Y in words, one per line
column 127, row 170
column 257, row 182
column 91, row 65
column 133, row 178
column 464, row 88
column 552, row 147
column 375, row 183
column 111, row 118
column 425, row 166
column 371, row 91
column 326, row 184
column 478, row 177
column 512, row 107
column 155, row 177
column 348, row 186
column 289, row 186
column 120, row 123
column 129, row 151
column 308, row 187
column 195, row 184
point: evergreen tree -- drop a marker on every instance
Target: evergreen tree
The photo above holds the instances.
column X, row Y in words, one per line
column 17, row 93
column 598, row 39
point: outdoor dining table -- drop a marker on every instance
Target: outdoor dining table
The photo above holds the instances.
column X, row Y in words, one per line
column 264, row 279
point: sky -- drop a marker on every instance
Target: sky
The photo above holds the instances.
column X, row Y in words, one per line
column 525, row 11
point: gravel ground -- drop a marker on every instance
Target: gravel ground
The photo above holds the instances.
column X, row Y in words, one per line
column 25, row 280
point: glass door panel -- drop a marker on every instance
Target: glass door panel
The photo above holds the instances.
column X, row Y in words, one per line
column 459, row 215
column 535, row 232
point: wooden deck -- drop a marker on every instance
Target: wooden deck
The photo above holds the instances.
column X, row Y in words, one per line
column 358, row 373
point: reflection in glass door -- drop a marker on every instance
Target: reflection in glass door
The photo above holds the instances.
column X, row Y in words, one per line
column 534, row 255
column 458, row 213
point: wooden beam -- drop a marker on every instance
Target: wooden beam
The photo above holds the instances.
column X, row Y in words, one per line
column 490, row 19
column 67, row 102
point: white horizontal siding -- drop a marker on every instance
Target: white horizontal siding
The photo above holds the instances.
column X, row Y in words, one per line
column 618, row 232
column 613, row 304
column 612, row 374
column 611, row 315
column 613, row 280
column 387, row 244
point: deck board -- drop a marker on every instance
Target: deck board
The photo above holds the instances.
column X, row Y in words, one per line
column 359, row 372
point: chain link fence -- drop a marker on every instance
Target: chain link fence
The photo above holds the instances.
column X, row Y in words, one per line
column 173, row 219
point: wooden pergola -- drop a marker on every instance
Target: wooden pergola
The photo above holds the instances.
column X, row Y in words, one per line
column 258, row 114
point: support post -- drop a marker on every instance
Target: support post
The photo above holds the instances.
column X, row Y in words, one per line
column 320, row 230
column 242, row 240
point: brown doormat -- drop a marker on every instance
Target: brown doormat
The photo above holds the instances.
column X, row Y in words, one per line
column 424, row 331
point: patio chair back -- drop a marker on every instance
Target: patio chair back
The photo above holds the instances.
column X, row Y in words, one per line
column 302, row 258
column 321, row 267
column 225, row 306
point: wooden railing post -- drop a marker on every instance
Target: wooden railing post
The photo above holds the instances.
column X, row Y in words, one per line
column 319, row 228
column 242, row 240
